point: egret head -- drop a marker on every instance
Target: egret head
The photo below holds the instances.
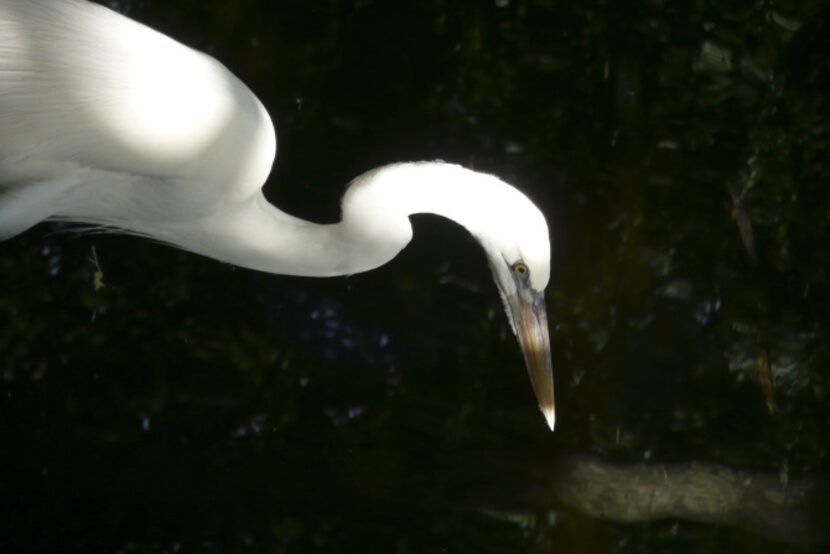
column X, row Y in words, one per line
column 505, row 222
column 518, row 249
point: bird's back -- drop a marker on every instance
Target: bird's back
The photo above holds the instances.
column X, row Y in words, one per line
column 89, row 98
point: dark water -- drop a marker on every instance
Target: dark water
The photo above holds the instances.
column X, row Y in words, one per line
column 680, row 152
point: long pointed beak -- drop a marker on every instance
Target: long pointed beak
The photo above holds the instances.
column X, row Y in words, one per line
column 531, row 321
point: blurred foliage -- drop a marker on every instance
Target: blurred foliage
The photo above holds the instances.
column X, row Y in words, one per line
column 654, row 134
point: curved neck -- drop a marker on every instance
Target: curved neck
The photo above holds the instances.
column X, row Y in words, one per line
column 374, row 228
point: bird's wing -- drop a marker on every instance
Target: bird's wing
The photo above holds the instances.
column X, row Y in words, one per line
column 84, row 86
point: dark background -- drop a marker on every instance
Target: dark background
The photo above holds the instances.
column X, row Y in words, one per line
column 189, row 406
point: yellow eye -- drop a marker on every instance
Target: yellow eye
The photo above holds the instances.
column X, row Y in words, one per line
column 520, row 269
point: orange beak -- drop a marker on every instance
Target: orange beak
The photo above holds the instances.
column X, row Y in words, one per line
column 531, row 322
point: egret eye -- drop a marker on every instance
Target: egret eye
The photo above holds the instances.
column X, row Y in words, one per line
column 521, row 269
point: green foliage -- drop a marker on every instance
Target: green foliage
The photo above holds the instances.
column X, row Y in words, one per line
column 653, row 134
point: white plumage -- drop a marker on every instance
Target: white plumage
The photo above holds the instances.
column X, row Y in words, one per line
column 105, row 121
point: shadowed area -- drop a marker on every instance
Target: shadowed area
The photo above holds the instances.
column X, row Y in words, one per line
column 156, row 401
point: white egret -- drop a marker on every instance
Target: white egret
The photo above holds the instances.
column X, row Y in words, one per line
column 106, row 122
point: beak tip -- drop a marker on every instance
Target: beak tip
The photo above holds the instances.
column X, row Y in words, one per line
column 550, row 417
